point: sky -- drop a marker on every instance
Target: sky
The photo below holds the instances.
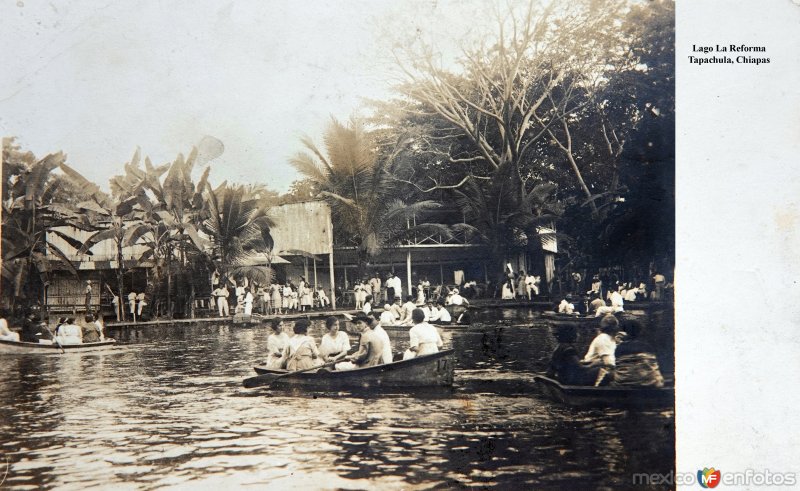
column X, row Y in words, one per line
column 99, row 79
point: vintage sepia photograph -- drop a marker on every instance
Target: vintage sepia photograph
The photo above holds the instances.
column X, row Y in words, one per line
column 338, row 245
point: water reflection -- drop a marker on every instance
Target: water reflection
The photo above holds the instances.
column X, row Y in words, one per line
column 167, row 409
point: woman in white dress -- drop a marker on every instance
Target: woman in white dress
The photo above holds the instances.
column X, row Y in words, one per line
column 335, row 343
column 69, row 333
column 508, row 290
column 277, row 344
column 275, row 291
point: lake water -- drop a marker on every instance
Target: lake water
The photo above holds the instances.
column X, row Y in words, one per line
column 166, row 409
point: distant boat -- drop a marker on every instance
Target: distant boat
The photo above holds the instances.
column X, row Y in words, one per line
column 581, row 395
column 21, row 347
column 556, row 319
column 434, row 370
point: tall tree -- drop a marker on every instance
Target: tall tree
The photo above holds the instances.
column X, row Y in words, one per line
column 356, row 180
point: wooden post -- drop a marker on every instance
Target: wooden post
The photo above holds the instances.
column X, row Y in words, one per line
column 408, row 270
column 333, row 287
column 441, row 274
column 315, row 272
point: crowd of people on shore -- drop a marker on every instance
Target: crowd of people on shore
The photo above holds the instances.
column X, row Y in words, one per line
column 300, row 351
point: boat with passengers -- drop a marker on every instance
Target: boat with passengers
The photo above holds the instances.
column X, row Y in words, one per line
column 22, row 347
column 434, row 370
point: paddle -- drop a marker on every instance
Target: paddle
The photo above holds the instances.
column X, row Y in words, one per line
column 269, row 378
column 55, row 339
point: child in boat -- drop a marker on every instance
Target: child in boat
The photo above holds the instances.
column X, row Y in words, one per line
column 277, row 343
column 335, row 343
column 302, row 353
column 635, row 360
column 565, row 366
column 387, row 317
column 424, row 338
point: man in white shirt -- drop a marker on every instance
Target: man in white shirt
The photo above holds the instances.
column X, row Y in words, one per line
column 221, row 295
column 441, row 315
column 384, row 337
column 375, row 286
column 397, row 285
column 424, row 338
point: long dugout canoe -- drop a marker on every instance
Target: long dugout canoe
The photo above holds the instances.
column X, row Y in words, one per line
column 434, row 370
column 14, row 347
column 589, row 396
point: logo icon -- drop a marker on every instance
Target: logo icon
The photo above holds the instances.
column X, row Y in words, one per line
column 708, row 478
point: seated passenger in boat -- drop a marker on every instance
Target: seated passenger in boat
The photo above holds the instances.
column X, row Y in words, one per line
column 456, row 298
column 376, row 327
column 596, row 304
column 100, row 326
column 566, row 307
column 69, row 333
column 441, row 315
column 370, row 347
column 367, row 308
column 277, row 344
column 397, row 309
column 33, row 331
column 636, row 363
column 89, row 330
column 601, row 350
column 424, row 337
column 387, row 317
column 302, row 353
column 7, row 334
column 565, row 365
column 335, row 343
column 405, row 314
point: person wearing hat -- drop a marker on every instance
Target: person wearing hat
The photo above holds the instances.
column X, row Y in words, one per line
column 370, row 346
column 424, row 338
column 457, row 299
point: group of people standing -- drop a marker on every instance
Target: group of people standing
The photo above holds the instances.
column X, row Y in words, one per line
column 276, row 298
column 300, row 351
column 520, row 286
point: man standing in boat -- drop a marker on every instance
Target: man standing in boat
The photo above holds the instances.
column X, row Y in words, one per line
column 370, row 346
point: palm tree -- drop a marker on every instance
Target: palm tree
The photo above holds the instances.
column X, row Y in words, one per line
column 239, row 228
column 506, row 215
column 31, row 213
column 356, row 180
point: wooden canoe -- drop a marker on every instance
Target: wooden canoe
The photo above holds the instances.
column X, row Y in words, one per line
column 434, row 370
column 586, row 396
column 13, row 347
column 556, row 319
